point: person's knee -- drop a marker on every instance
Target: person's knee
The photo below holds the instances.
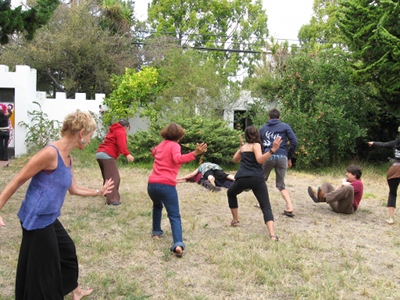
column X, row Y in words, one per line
column 280, row 186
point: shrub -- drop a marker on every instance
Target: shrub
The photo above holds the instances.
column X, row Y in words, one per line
column 41, row 130
column 222, row 141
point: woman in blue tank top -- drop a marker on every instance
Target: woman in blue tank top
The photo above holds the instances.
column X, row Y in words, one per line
column 48, row 265
column 250, row 176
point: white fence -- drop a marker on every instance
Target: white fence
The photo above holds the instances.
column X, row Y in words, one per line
column 23, row 82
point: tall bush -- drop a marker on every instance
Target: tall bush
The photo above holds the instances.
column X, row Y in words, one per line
column 327, row 111
column 222, row 141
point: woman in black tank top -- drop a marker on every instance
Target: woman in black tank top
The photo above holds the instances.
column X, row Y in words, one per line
column 250, row 176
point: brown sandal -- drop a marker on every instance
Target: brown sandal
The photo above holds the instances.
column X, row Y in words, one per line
column 274, row 238
column 235, row 223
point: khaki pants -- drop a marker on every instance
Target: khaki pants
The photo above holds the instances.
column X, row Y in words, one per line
column 340, row 200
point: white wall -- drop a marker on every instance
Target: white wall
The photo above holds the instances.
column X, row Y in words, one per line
column 23, row 81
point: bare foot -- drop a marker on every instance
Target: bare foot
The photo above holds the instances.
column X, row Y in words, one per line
column 178, row 251
column 78, row 293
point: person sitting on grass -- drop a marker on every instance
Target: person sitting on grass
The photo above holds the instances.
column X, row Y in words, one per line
column 210, row 175
column 344, row 199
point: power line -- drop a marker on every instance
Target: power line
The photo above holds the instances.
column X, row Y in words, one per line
column 216, row 49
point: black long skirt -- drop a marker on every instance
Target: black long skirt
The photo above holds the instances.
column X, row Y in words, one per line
column 47, row 265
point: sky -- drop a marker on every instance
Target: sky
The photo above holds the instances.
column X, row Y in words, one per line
column 285, row 17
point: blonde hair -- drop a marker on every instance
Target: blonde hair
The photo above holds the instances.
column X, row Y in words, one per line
column 77, row 121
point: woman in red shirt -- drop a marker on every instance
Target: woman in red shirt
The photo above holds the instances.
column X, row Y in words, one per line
column 113, row 145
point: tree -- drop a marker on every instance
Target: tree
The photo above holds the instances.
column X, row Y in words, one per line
column 228, row 29
column 134, row 92
column 327, row 111
column 73, row 54
column 191, row 86
column 117, row 15
column 181, row 85
column 27, row 21
column 322, row 32
column 372, row 34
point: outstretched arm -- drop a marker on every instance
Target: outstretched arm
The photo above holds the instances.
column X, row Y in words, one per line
column 188, row 176
column 75, row 189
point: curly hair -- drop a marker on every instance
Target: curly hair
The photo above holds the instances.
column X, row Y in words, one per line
column 77, row 121
column 172, row 132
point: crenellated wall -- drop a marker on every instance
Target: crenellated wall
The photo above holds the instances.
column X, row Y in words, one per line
column 23, row 81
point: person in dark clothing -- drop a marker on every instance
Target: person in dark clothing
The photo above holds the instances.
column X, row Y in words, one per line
column 48, row 264
column 393, row 174
column 113, row 145
column 4, row 133
column 250, row 176
column 280, row 160
column 210, row 175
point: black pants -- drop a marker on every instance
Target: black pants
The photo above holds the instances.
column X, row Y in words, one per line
column 393, row 185
column 4, row 138
column 47, row 265
column 220, row 178
column 259, row 188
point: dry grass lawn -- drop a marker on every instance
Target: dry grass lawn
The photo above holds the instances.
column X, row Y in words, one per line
column 320, row 255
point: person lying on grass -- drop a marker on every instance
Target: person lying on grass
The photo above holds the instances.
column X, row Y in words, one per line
column 210, row 175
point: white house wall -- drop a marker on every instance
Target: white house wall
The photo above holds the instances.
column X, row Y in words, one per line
column 23, row 81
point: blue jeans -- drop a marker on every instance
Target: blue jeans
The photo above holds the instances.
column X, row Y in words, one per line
column 163, row 194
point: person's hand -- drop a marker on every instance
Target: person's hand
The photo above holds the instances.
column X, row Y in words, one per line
column 289, row 163
column 241, row 140
column 2, row 222
column 200, row 148
column 107, row 187
column 370, row 143
column 130, row 158
column 276, row 144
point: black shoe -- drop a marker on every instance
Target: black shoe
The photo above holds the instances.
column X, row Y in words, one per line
column 211, row 187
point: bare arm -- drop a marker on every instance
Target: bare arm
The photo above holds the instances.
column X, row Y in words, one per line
column 261, row 158
column 237, row 156
column 45, row 159
column 75, row 189
column 188, row 176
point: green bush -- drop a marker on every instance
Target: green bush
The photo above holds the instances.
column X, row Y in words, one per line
column 222, row 141
column 327, row 111
column 41, row 130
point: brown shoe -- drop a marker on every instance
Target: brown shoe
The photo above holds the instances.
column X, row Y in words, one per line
column 313, row 194
column 321, row 195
